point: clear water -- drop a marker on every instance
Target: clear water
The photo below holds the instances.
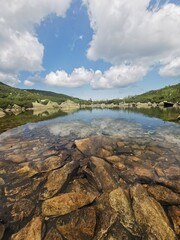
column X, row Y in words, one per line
column 115, row 123
column 26, row 148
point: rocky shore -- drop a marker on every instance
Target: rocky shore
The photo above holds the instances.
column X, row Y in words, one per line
column 67, row 106
column 99, row 188
column 70, row 106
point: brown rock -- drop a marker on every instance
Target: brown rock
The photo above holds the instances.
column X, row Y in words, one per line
column 12, row 190
column 15, row 158
column 172, row 172
column 82, row 185
column 121, row 204
column 51, row 163
column 150, row 216
column 103, row 153
column 57, row 179
column 90, row 146
column 139, row 172
column 53, row 234
column 174, row 213
column 118, row 232
column 2, row 182
column 78, row 225
column 114, row 159
column 164, row 195
column 104, row 173
column 49, row 152
column 27, row 171
column 92, row 178
column 22, row 209
column 31, row 231
column 65, row 203
column 117, row 161
column 107, row 216
column 2, row 230
column 134, row 159
column 173, row 184
column 121, row 144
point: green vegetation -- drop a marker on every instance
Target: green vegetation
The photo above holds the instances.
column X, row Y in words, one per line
column 24, row 98
column 169, row 93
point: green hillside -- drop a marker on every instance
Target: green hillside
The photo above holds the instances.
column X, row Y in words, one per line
column 24, row 98
column 169, row 93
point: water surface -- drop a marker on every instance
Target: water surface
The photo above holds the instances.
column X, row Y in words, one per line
column 94, row 152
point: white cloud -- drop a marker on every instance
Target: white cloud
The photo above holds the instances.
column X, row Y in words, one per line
column 28, row 83
column 172, row 69
column 20, row 48
column 126, row 31
column 79, row 77
column 116, row 76
column 10, row 79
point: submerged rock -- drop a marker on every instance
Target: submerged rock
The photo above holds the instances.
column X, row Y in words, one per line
column 174, row 213
column 2, row 230
column 104, row 173
column 16, row 158
column 51, row 163
column 65, row 203
column 93, row 146
column 150, row 216
column 57, row 179
column 2, row 182
column 33, row 230
column 78, row 225
column 22, row 209
column 53, row 234
column 106, row 216
column 121, row 204
column 164, row 195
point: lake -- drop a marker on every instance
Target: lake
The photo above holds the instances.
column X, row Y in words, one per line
column 90, row 174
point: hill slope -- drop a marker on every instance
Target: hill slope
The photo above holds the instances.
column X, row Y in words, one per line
column 24, row 98
column 169, row 93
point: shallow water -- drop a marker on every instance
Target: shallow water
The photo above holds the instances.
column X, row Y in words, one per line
column 148, row 150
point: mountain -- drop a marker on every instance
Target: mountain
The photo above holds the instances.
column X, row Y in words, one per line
column 169, row 93
column 24, row 98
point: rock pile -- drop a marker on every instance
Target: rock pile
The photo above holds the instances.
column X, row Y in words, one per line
column 95, row 188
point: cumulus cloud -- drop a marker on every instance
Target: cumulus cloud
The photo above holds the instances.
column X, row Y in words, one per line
column 79, row 77
column 10, row 79
column 133, row 32
column 30, row 81
column 116, row 76
column 20, row 48
column 172, row 69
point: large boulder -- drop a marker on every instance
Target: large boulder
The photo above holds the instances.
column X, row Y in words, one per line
column 122, row 205
column 57, row 179
column 65, row 203
column 69, row 105
column 150, row 216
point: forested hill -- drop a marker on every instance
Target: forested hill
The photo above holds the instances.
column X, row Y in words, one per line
column 24, row 98
column 169, row 93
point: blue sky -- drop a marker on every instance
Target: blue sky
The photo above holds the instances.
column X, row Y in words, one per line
column 89, row 49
